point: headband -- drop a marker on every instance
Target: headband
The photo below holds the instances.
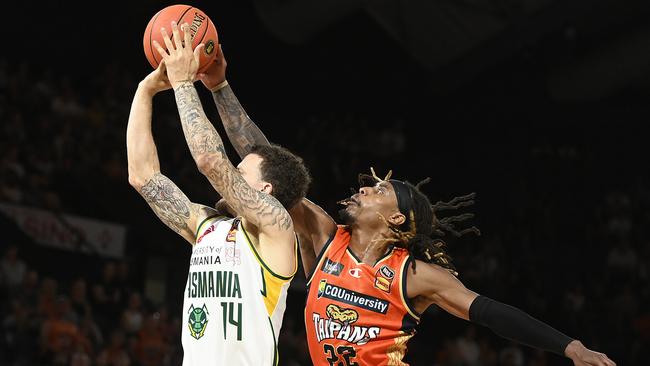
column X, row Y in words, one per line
column 404, row 198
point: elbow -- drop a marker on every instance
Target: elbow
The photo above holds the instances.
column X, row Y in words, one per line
column 136, row 181
column 205, row 163
column 138, row 178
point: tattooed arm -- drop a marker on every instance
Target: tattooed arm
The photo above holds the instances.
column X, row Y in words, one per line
column 206, row 146
column 313, row 225
column 165, row 198
column 241, row 130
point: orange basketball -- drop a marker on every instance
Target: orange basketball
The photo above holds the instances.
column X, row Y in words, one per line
column 201, row 28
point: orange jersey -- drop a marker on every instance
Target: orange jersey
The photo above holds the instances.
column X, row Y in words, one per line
column 356, row 313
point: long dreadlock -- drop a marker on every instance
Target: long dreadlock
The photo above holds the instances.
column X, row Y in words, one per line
column 423, row 236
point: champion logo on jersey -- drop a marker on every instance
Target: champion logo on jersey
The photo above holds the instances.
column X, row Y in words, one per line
column 355, row 272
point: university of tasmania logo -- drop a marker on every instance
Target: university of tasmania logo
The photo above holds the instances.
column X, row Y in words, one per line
column 198, row 321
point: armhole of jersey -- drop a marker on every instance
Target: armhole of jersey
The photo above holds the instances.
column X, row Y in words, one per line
column 261, row 261
column 321, row 255
column 206, row 221
column 403, row 290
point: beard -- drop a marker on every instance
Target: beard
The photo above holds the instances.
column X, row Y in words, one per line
column 345, row 217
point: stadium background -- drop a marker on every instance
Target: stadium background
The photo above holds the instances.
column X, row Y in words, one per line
column 540, row 107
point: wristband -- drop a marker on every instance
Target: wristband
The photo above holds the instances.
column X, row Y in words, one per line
column 221, row 85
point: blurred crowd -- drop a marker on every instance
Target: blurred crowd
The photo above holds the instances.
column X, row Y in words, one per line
column 578, row 262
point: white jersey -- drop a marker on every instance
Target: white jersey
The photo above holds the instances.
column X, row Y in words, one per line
column 233, row 304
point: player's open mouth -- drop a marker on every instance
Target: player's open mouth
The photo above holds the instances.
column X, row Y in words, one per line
column 348, row 201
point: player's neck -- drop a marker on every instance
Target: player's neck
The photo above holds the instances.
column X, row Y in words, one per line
column 368, row 247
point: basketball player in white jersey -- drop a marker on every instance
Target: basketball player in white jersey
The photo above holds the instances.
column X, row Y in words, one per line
column 240, row 268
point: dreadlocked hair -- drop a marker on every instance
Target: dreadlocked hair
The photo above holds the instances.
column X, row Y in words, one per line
column 423, row 236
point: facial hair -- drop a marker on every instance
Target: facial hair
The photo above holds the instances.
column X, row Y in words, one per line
column 345, row 217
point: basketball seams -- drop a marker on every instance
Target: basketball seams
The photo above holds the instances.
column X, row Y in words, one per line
column 153, row 26
column 206, row 29
column 203, row 36
column 183, row 14
column 164, row 16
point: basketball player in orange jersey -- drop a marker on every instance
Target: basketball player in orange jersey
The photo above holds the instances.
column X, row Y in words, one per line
column 372, row 277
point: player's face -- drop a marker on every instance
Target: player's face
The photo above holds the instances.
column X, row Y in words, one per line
column 362, row 207
column 249, row 168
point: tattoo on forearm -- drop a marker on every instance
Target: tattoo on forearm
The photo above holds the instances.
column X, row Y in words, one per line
column 168, row 202
column 242, row 131
column 242, row 197
column 203, row 138
column 200, row 134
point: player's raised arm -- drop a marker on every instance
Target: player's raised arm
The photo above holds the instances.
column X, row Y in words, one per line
column 207, row 148
column 313, row 225
column 167, row 201
column 240, row 128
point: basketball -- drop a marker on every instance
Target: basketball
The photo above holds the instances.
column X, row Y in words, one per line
column 202, row 30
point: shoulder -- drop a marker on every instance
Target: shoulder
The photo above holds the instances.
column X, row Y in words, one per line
column 206, row 216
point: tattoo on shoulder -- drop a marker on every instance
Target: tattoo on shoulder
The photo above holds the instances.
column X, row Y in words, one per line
column 168, row 202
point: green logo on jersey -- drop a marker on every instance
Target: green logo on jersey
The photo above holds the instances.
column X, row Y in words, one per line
column 198, row 321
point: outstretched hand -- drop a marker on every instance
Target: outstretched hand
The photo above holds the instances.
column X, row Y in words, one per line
column 216, row 72
column 582, row 356
column 182, row 62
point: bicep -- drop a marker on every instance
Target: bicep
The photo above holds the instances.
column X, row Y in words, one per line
column 438, row 286
column 314, row 228
column 456, row 300
column 172, row 206
column 316, row 224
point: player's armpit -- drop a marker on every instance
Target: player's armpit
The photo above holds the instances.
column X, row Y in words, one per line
column 429, row 284
column 172, row 206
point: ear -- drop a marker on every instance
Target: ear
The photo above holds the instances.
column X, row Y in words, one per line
column 397, row 218
column 267, row 188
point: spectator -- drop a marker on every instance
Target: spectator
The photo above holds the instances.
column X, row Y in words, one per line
column 59, row 334
column 468, row 347
column 512, row 355
column 115, row 352
column 13, row 268
column 133, row 315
